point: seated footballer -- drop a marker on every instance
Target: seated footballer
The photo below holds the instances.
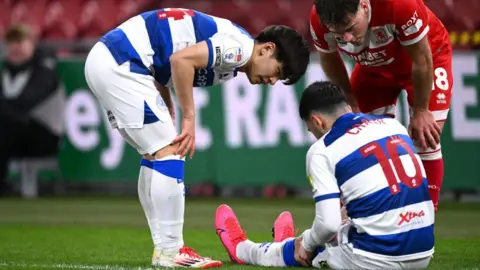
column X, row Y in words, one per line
column 370, row 165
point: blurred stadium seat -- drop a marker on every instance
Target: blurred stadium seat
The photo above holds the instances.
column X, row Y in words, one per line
column 97, row 17
column 461, row 19
column 29, row 12
column 60, row 20
column 254, row 16
column 5, row 7
column 74, row 20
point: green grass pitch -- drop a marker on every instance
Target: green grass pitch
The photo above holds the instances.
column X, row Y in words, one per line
column 111, row 233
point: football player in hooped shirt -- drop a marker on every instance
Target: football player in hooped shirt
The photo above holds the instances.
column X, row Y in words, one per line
column 396, row 45
column 367, row 162
column 130, row 71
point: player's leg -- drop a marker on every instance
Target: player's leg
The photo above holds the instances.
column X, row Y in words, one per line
column 135, row 107
column 279, row 253
column 282, row 252
column 160, row 190
column 283, row 227
column 240, row 249
column 336, row 255
column 432, row 159
column 375, row 94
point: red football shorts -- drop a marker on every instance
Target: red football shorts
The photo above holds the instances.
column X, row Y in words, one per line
column 377, row 93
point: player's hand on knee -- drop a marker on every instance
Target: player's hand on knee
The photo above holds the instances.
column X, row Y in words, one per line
column 424, row 129
column 186, row 139
column 302, row 256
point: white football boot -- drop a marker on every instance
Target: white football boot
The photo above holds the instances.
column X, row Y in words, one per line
column 186, row 257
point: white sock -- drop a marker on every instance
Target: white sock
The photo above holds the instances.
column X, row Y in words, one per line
column 165, row 201
column 144, row 180
column 264, row 254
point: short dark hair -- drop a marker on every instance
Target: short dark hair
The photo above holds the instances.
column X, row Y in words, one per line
column 291, row 50
column 336, row 12
column 18, row 32
column 324, row 97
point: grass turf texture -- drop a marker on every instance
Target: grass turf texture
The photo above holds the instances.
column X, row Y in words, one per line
column 111, row 233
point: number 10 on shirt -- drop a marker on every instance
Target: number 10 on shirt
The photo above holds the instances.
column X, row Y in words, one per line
column 392, row 153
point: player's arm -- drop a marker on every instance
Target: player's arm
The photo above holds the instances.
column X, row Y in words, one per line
column 422, row 73
column 327, row 204
column 334, row 68
column 183, row 65
column 206, row 54
column 411, row 23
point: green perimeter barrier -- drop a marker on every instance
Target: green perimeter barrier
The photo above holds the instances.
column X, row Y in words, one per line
column 251, row 135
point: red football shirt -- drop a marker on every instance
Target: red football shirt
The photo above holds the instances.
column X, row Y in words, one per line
column 392, row 25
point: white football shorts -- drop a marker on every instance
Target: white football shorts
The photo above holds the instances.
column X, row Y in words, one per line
column 341, row 256
column 132, row 101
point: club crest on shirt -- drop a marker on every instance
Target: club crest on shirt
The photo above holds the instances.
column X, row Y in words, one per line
column 161, row 104
column 380, row 36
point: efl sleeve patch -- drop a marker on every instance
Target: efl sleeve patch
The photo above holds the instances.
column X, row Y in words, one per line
column 230, row 51
column 321, row 177
column 233, row 55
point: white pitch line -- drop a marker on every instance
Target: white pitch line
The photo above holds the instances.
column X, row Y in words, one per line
column 69, row 266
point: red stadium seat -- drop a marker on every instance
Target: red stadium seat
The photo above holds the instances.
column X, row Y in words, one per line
column 129, row 8
column 200, row 5
column 29, row 12
column 96, row 18
column 60, row 20
column 86, row 19
column 5, row 7
column 100, row 16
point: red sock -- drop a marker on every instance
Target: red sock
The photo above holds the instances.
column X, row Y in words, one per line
column 434, row 171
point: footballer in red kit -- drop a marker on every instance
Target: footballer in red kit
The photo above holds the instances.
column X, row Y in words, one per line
column 397, row 45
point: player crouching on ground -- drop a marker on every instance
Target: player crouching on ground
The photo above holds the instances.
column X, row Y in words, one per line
column 370, row 163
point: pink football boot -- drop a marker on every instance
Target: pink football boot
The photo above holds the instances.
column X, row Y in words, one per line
column 283, row 227
column 229, row 231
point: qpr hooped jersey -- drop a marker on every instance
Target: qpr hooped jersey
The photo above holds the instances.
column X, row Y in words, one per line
column 393, row 24
column 371, row 164
column 147, row 41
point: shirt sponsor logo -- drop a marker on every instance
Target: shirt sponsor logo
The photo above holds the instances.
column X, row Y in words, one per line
column 410, row 216
column 413, row 25
column 441, row 98
column 202, row 77
column 218, row 57
column 368, row 58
